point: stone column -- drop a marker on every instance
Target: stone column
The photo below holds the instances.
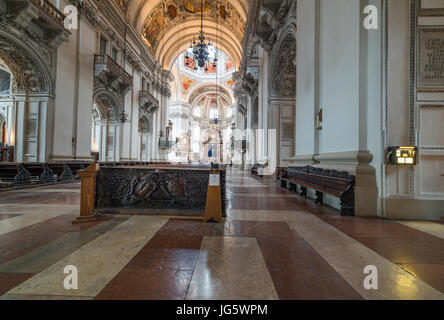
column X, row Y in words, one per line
column 250, row 137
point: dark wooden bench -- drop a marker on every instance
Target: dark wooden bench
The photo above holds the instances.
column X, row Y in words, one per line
column 256, row 168
column 13, row 174
column 339, row 184
column 20, row 174
column 280, row 172
column 6, row 154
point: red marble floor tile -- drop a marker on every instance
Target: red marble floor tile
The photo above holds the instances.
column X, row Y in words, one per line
column 172, row 252
column 12, row 280
column 17, row 243
column 299, row 273
column 392, row 240
column 432, row 274
column 257, row 229
column 187, row 227
column 147, row 284
column 357, row 227
column 425, row 250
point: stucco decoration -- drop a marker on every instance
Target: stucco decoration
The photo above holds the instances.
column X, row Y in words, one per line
column 30, row 73
column 170, row 13
column 284, row 71
column 108, row 104
column 144, row 125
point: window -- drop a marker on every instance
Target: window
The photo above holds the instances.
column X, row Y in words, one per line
column 115, row 55
column 144, row 84
column 196, row 111
column 196, row 133
column 214, row 113
column 103, row 45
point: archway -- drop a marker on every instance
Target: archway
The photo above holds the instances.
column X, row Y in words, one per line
column 2, row 130
column 282, row 111
column 160, row 22
column 202, row 96
column 28, row 104
column 145, row 135
column 5, row 90
column 106, row 126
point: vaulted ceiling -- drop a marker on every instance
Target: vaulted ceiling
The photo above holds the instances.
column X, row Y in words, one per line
column 168, row 26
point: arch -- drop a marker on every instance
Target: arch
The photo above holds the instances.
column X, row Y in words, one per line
column 145, row 134
column 168, row 26
column 171, row 46
column 107, row 103
column 2, row 129
column 223, row 90
column 144, row 124
column 139, row 10
column 197, row 111
column 106, row 126
column 284, row 69
column 28, row 68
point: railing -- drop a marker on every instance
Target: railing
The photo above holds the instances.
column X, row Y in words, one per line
column 113, row 66
column 149, row 96
column 50, row 11
column 6, row 154
column 164, row 144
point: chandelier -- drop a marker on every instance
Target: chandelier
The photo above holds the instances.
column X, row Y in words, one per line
column 201, row 52
column 123, row 117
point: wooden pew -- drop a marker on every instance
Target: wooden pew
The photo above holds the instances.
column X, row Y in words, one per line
column 280, row 172
column 255, row 169
column 6, row 154
column 19, row 174
column 14, row 174
column 335, row 183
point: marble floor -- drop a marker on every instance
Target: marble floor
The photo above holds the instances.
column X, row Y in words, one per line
column 273, row 245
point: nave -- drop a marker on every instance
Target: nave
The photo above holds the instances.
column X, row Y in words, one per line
column 272, row 245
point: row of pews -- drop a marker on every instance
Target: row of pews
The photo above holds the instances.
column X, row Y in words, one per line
column 339, row 184
column 6, row 153
column 13, row 174
column 257, row 169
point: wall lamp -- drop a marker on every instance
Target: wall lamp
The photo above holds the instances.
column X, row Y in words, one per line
column 402, row 156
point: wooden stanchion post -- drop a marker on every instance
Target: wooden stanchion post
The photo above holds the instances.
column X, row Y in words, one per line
column 213, row 207
column 88, row 194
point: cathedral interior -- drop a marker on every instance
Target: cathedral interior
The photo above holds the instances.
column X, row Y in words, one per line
column 221, row 149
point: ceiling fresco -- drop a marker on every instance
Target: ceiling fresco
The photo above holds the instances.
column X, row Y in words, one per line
column 168, row 14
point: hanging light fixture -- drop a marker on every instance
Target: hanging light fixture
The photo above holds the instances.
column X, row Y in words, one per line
column 201, row 51
column 123, row 117
column 215, row 119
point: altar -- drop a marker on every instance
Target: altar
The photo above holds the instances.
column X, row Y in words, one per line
column 155, row 189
